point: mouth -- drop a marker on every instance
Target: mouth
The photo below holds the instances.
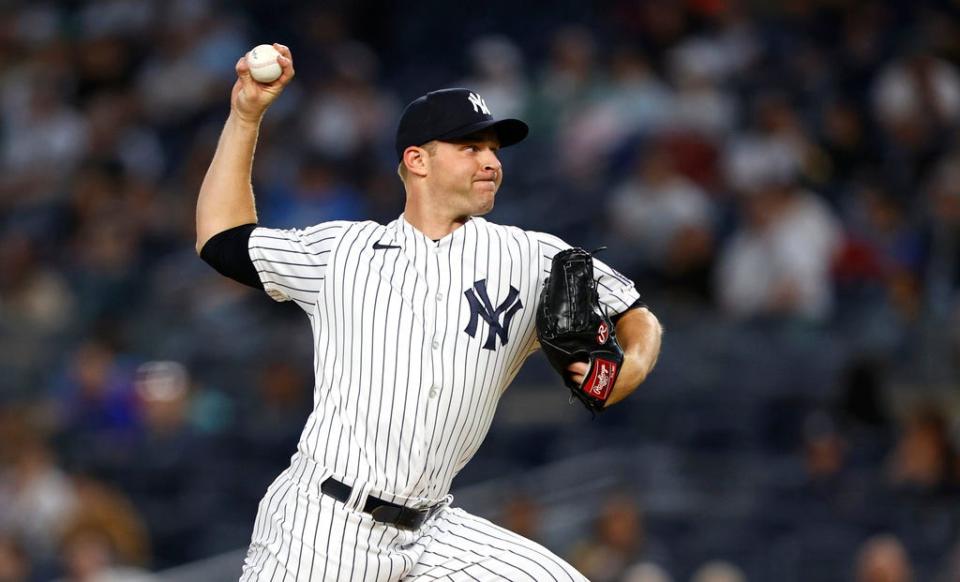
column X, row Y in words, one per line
column 486, row 184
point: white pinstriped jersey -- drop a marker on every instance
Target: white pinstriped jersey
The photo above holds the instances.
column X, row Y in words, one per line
column 415, row 340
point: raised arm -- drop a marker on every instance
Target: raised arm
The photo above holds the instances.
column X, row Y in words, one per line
column 226, row 195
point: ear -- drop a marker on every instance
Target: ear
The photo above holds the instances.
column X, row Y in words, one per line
column 415, row 160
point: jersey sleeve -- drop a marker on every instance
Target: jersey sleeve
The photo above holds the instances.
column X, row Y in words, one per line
column 616, row 292
column 292, row 264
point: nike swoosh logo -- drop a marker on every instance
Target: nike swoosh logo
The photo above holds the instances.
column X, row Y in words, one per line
column 377, row 246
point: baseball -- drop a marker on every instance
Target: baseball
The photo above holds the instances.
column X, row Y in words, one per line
column 263, row 63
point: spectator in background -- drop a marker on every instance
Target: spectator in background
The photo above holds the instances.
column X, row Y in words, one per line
column 777, row 126
column 100, row 506
column 566, row 82
column 191, row 44
column 619, row 540
column 44, row 137
column 916, row 96
column 823, row 491
column 169, row 474
column 273, row 423
column 950, row 569
column 36, row 496
column 719, row 571
column 320, row 193
column 498, row 75
column 33, row 297
column 883, row 559
column 842, row 134
column 824, row 452
column 701, row 105
column 118, row 132
column 925, row 460
column 916, row 104
column 104, row 539
column 646, row 572
column 862, row 410
column 778, row 262
column 96, row 407
column 883, row 251
column 36, row 307
column 879, row 271
column 666, row 219
column 943, row 269
column 523, row 515
column 633, row 100
column 90, row 555
column 105, row 231
column 14, row 562
column 345, row 116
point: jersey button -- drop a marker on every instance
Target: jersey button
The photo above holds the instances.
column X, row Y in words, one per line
column 433, row 393
column 439, row 296
column 436, row 345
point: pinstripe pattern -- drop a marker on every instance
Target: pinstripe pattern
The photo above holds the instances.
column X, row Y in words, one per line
column 292, row 541
column 405, row 390
column 461, row 546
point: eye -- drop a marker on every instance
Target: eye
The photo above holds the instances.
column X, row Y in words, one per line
column 471, row 147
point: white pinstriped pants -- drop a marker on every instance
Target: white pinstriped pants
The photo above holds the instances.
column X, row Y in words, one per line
column 302, row 536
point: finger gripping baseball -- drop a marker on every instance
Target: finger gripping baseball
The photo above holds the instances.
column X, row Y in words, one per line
column 572, row 328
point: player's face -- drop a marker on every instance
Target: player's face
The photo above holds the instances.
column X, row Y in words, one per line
column 468, row 172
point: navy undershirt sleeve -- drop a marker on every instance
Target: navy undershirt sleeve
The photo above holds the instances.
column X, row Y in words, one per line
column 228, row 253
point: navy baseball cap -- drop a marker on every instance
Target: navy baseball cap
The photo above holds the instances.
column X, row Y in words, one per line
column 450, row 114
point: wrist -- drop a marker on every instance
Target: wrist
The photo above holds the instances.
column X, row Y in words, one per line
column 246, row 120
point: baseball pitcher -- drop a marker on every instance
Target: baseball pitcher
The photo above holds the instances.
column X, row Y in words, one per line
column 419, row 326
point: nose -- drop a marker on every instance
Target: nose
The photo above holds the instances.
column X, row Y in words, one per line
column 490, row 161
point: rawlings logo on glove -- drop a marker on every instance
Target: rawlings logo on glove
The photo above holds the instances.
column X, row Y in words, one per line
column 572, row 328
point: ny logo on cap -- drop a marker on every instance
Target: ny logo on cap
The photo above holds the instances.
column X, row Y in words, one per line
column 482, row 308
column 478, row 103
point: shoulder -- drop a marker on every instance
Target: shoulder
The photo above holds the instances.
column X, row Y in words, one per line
column 342, row 226
column 323, row 232
column 548, row 242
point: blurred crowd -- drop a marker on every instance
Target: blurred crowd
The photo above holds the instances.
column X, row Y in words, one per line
column 770, row 173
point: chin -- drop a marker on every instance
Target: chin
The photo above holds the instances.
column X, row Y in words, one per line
column 485, row 206
column 485, row 210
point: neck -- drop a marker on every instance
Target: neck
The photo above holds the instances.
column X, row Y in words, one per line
column 432, row 218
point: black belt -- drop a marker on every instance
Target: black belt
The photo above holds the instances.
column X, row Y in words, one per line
column 382, row 511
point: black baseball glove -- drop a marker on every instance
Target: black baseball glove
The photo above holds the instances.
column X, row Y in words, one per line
column 572, row 328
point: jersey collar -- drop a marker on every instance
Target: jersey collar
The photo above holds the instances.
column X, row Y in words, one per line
column 405, row 229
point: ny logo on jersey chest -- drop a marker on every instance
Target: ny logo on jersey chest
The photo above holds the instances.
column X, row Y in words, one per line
column 482, row 308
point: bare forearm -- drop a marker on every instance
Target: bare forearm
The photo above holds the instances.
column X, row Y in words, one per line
column 226, row 195
column 639, row 334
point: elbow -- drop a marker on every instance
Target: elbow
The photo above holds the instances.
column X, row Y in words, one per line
column 654, row 322
column 645, row 338
column 649, row 322
column 643, row 321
